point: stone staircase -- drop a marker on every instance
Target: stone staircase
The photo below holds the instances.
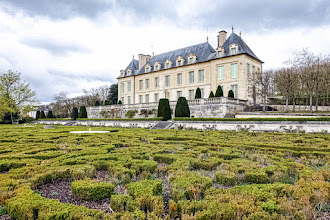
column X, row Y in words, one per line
column 163, row 125
column 70, row 123
column 229, row 116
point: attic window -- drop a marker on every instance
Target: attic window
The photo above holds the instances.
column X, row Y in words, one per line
column 179, row 63
column 122, row 73
column 147, row 68
column 129, row 72
column 192, row 58
column 233, row 49
column 157, row 66
column 167, row 65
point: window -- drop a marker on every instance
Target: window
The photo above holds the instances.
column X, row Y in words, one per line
column 156, row 82
column 147, row 98
column 202, row 93
column 167, row 65
column 191, row 77
column 122, row 87
column 234, row 71
column 253, row 69
column 220, row 53
column 147, row 83
column 248, row 70
column 179, row 94
column 156, row 68
column 167, row 95
column 179, row 78
column 234, row 88
column 233, row 51
column 122, row 100
column 128, row 99
column 140, row 85
column 156, row 97
column 167, row 81
column 220, row 72
column 191, row 60
column 147, row 69
column 128, row 86
column 179, row 62
column 201, row 75
column 140, row 98
column 191, row 94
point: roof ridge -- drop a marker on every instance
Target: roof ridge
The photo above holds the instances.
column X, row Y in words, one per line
column 182, row 48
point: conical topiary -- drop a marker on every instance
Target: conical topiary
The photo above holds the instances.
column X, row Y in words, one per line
column 211, row 94
column 182, row 108
column 50, row 114
column 164, row 110
column 219, row 92
column 74, row 113
column 82, row 112
column 231, row 94
column 198, row 94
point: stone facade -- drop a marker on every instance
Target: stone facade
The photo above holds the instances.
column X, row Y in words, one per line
column 199, row 108
column 163, row 76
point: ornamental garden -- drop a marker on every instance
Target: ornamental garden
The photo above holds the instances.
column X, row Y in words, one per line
column 162, row 174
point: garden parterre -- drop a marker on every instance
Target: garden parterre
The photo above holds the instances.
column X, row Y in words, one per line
column 166, row 174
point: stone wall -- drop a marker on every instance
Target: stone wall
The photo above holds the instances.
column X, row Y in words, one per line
column 199, row 108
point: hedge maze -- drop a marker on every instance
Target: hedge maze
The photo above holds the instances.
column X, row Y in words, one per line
column 164, row 174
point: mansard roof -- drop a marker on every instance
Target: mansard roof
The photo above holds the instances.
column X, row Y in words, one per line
column 204, row 52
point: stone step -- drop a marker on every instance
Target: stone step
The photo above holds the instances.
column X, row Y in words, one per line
column 229, row 116
column 70, row 123
column 163, row 125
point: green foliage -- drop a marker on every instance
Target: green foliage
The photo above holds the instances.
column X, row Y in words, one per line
column 226, row 178
column 37, row 115
column 270, row 207
column 91, row 190
column 42, row 115
column 182, row 108
column 119, row 102
column 198, row 94
column 131, row 113
column 164, row 110
column 82, row 112
column 252, row 119
column 74, row 113
column 145, row 187
column 97, row 103
column 211, row 94
column 27, row 119
column 256, row 177
column 231, row 94
column 50, row 114
column 123, row 203
column 113, row 94
column 219, row 92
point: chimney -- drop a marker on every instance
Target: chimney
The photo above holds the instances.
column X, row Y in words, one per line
column 143, row 59
column 222, row 37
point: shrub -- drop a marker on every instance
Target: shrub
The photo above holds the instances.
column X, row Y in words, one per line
column 198, row 94
column 219, row 92
column 83, row 112
column 211, row 94
column 120, row 102
column 74, row 113
column 231, row 94
column 91, row 190
column 131, row 113
column 270, row 206
column 145, row 187
column 256, row 177
column 164, row 110
column 42, row 114
column 50, row 114
column 97, row 103
column 37, row 115
column 226, row 178
column 123, row 203
column 27, row 119
column 182, row 108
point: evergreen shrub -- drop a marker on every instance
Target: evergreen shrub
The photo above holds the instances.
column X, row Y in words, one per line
column 231, row 94
column 219, row 92
column 182, row 108
column 74, row 113
column 91, row 190
column 164, row 110
column 83, row 112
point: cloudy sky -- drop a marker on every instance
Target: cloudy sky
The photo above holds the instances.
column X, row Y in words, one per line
column 70, row 45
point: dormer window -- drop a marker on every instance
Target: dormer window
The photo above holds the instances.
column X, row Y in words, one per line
column 157, row 66
column 233, row 49
column 129, row 72
column 168, row 64
column 147, row 68
column 122, row 73
column 179, row 61
column 192, row 58
column 220, row 52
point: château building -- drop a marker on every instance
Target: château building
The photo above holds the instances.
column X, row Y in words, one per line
column 180, row 72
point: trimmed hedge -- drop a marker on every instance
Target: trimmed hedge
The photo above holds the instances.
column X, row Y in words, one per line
column 182, row 108
column 91, row 190
column 164, row 110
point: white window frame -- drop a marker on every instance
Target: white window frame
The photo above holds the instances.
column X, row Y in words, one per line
column 128, row 86
column 234, row 70
column 191, row 94
column 156, row 97
column 235, row 90
column 167, row 81
column 201, row 76
column 140, row 99
column 191, row 79
column 122, row 87
column 140, row 85
column 128, row 99
column 147, row 84
column 156, row 82
column 179, row 79
column 147, row 98
column 179, row 93
column 220, row 72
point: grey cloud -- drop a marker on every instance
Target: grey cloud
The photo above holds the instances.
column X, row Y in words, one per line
column 54, row 47
column 249, row 14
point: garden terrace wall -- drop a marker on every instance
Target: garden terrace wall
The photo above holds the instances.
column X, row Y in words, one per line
column 279, row 115
column 258, row 126
column 199, row 108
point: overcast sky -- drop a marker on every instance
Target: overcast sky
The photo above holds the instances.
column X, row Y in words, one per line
column 70, row 45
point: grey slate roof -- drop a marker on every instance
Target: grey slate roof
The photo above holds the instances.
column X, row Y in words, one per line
column 204, row 52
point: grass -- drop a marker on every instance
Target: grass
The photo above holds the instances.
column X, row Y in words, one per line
column 211, row 174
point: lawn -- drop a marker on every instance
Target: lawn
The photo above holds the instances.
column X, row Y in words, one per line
column 162, row 174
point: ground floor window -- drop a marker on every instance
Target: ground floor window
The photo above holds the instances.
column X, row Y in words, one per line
column 156, row 97
column 191, row 94
column 128, row 99
column 234, row 88
column 179, row 94
column 140, row 98
column 147, row 98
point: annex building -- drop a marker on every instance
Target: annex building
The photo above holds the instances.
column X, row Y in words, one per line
column 180, row 72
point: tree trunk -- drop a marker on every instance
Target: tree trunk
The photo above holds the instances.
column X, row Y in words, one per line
column 11, row 117
column 317, row 100
column 311, row 102
column 287, row 104
column 294, row 102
